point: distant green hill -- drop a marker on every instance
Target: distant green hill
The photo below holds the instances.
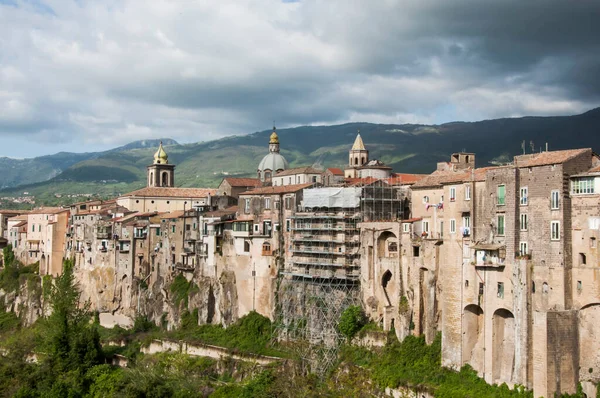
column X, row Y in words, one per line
column 407, row 148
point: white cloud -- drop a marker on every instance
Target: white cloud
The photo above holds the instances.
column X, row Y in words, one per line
column 106, row 73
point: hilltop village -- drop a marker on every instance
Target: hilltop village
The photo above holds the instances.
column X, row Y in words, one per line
column 503, row 260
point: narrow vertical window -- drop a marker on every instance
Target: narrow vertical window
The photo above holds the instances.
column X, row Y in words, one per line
column 500, row 194
column 554, row 200
column 523, row 222
column 500, row 289
column 523, row 196
column 500, row 224
column 452, row 194
column 452, row 226
column 467, row 192
column 555, row 230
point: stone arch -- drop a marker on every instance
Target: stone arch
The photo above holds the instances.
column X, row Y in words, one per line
column 356, row 161
column 503, row 346
column 384, row 241
column 589, row 342
column 473, row 336
column 385, row 280
column 164, row 179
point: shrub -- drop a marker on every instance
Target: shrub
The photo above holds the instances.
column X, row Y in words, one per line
column 351, row 321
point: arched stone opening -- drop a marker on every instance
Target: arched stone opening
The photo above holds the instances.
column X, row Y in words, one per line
column 387, row 240
column 503, row 346
column 473, row 336
column 164, row 179
column 151, row 179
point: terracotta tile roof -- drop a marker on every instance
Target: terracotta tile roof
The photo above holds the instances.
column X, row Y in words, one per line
column 184, row 193
column 48, row 210
column 443, row 177
column 335, row 171
column 220, row 213
column 171, row 214
column 22, row 217
column 278, row 189
column 405, row 179
column 243, row 182
column 299, row 170
column 551, row 157
column 15, row 212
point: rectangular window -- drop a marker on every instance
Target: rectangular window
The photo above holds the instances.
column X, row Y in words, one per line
column 467, row 221
column 157, row 231
column 555, row 230
column 452, row 226
column 582, row 185
column 33, row 228
column 523, row 222
column 452, row 194
column 554, row 200
column 173, row 228
column 523, row 249
column 500, row 224
column 500, row 194
column 247, row 206
column 288, row 203
column 406, row 227
column 287, row 225
column 500, row 289
column 441, row 229
column 425, row 226
column 523, row 196
column 467, row 192
column 267, row 203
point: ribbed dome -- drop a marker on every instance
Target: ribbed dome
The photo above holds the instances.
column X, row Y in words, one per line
column 273, row 161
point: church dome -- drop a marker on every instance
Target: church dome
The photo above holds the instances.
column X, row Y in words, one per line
column 273, row 161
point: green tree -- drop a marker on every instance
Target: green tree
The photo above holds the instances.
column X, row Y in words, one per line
column 351, row 321
column 72, row 341
column 8, row 255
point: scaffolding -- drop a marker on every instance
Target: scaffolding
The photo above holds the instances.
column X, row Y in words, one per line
column 321, row 274
column 320, row 278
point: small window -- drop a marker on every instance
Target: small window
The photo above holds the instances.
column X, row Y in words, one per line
column 425, row 226
column 500, row 289
column 500, row 194
column 467, row 221
column 452, row 226
column 481, row 288
column 467, row 192
column 452, row 194
column 425, row 199
column 267, row 203
column 287, row 225
column 523, row 196
column 415, row 251
column 247, row 205
column 554, row 200
column 406, row 227
column 523, row 249
column 466, row 283
column 500, row 224
column 593, row 242
column 173, row 228
column 555, row 230
column 523, row 222
column 532, row 287
column 579, row 286
column 582, row 259
column 256, row 228
column 246, row 246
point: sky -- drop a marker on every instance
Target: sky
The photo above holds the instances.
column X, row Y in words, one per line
column 85, row 76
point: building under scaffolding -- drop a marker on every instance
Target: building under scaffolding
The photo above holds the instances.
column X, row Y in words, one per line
column 321, row 275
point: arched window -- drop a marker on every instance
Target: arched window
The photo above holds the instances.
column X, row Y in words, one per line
column 246, row 246
column 266, row 249
column 165, row 179
column 151, row 181
column 267, row 175
column 356, row 161
column 362, row 161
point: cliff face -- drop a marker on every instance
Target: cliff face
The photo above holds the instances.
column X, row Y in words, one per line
column 28, row 300
column 119, row 299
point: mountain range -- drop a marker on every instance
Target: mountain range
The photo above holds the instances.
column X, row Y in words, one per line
column 410, row 148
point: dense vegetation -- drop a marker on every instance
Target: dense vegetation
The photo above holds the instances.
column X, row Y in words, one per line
column 67, row 354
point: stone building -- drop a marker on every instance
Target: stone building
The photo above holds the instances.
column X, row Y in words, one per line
column 505, row 234
column 359, row 165
column 298, row 175
column 233, row 186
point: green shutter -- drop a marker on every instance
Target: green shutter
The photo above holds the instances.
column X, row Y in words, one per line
column 501, row 192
